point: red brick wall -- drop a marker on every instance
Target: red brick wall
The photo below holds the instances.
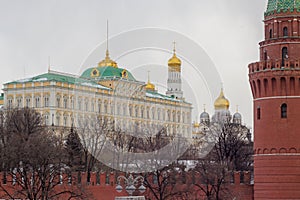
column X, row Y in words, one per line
column 103, row 191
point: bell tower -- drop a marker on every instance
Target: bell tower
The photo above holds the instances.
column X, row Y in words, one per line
column 174, row 77
column 275, row 85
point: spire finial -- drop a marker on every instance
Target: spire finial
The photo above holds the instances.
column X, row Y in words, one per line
column 49, row 65
column 237, row 108
column 174, row 47
column 107, row 52
column 148, row 76
column 204, row 107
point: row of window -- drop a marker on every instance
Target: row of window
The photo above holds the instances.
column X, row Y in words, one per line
column 283, row 86
column 285, row 32
column 28, row 102
column 106, row 108
column 283, row 111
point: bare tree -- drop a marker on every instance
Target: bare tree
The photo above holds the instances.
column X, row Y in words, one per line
column 33, row 159
column 232, row 152
column 94, row 131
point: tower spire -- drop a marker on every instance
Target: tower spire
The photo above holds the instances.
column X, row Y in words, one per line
column 174, row 48
column 149, row 85
column 107, row 52
column 148, row 76
column 107, row 62
column 49, row 65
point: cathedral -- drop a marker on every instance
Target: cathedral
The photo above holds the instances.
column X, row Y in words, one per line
column 221, row 116
column 107, row 90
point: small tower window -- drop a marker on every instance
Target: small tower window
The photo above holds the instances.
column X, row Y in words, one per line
column 270, row 33
column 285, row 32
column 258, row 113
column 284, row 110
column 284, row 55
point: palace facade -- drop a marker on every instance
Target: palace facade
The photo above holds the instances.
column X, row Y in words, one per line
column 106, row 90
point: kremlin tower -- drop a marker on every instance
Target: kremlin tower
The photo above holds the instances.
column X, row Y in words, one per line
column 275, row 85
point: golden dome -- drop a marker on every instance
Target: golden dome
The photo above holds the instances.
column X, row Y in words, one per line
column 221, row 103
column 107, row 62
column 149, row 85
column 196, row 125
column 174, row 63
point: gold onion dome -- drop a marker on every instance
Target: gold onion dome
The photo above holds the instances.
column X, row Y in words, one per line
column 196, row 125
column 107, row 62
column 149, row 85
column 221, row 103
column 174, row 62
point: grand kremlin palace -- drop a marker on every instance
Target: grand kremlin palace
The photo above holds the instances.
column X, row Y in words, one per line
column 106, row 90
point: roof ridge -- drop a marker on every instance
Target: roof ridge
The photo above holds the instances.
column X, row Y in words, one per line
column 63, row 73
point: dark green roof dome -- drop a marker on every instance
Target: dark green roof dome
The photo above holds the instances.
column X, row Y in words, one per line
column 282, row 6
column 107, row 73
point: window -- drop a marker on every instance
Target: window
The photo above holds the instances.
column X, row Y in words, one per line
column 178, row 117
column 107, row 178
column 285, row 32
column 148, row 112
column 28, row 101
column 57, row 120
column 124, row 110
column 118, row 109
column 19, row 102
column 258, row 113
column 10, row 103
column 105, row 107
column 174, row 116
column 99, row 106
column 284, row 55
column 98, row 178
column 136, row 111
column 72, row 103
column 58, row 101
column 37, row 102
column 153, row 113
column 47, row 119
column 155, row 179
column 65, row 120
column 270, row 33
column 284, row 110
column 46, row 101
column 65, row 102
column 92, row 106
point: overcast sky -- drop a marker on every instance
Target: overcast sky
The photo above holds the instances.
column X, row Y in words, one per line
column 67, row 31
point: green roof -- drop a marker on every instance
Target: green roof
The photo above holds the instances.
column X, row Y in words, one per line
column 156, row 95
column 107, row 73
column 59, row 77
column 282, row 6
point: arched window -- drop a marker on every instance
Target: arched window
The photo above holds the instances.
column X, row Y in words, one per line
column 284, row 110
column 284, row 55
column 285, row 32
column 270, row 33
column 58, row 101
column 46, row 101
column 65, row 102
